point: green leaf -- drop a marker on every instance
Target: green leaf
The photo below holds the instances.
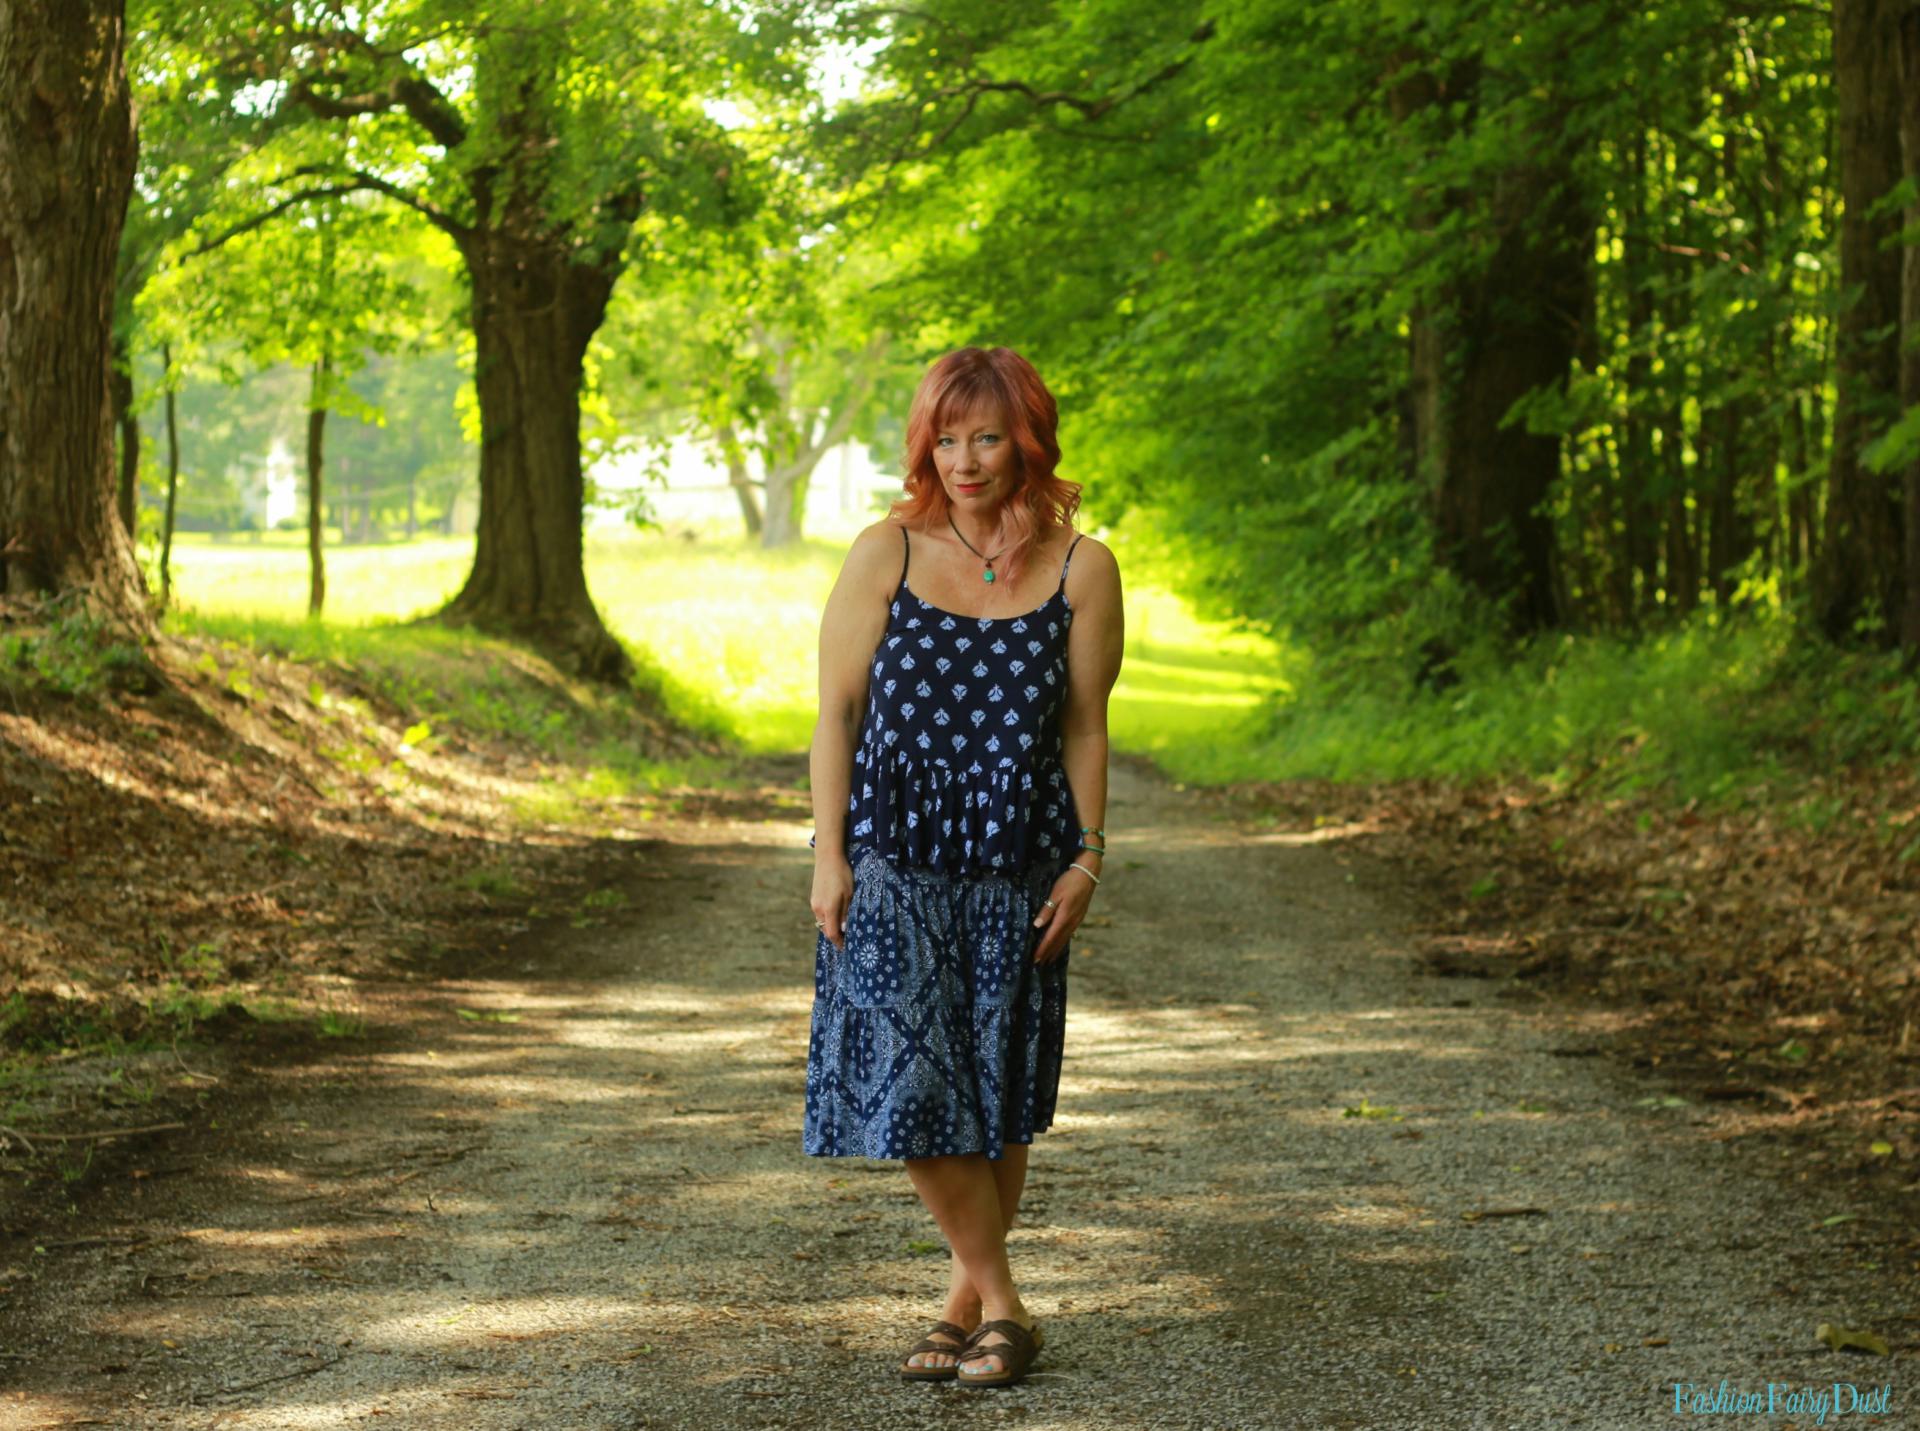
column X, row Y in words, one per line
column 1897, row 447
column 1371, row 1110
column 1847, row 1338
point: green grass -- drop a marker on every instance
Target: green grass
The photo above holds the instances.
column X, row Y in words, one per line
column 265, row 575
column 1724, row 712
column 72, row 653
column 728, row 632
column 445, row 681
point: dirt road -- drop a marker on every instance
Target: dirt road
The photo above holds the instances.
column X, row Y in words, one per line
column 1294, row 1183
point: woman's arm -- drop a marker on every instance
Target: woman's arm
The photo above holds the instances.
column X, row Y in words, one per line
column 1094, row 645
column 850, row 630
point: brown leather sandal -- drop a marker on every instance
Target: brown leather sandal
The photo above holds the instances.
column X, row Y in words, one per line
column 1016, row 1353
column 961, row 1336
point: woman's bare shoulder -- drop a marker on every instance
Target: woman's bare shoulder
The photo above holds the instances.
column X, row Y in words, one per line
column 1097, row 552
column 873, row 559
column 1095, row 571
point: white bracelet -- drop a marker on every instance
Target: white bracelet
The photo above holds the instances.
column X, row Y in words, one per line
column 1076, row 865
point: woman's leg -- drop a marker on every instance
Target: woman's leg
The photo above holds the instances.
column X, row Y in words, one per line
column 974, row 1200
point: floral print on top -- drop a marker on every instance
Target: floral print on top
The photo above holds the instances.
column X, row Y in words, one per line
column 958, row 767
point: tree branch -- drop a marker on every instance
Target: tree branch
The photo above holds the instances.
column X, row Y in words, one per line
column 1090, row 109
column 265, row 216
column 439, row 218
column 411, row 92
column 362, row 183
column 839, row 423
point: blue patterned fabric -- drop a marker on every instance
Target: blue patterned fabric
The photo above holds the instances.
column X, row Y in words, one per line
column 934, row 1031
column 958, row 764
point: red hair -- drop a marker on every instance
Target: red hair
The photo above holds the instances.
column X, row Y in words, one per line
column 979, row 377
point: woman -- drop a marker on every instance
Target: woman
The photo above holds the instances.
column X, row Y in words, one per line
column 959, row 775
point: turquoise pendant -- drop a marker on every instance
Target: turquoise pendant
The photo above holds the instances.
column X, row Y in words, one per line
column 987, row 575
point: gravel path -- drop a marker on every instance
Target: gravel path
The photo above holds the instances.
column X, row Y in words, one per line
column 594, row 1212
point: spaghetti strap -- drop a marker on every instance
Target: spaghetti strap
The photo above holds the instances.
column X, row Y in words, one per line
column 906, row 554
column 1068, row 562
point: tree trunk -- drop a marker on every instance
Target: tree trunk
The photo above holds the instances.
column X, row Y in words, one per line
column 1682, row 580
column 316, row 485
column 319, row 399
column 173, row 480
column 535, row 307
column 1909, row 53
column 1518, row 328
column 1511, row 327
column 1411, row 92
column 739, row 478
column 790, row 475
column 1643, row 517
column 66, row 169
column 787, row 475
column 1819, row 435
column 801, row 440
column 1862, row 552
column 1729, row 528
column 1612, row 593
column 1797, row 558
column 1729, row 533
column 127, row 420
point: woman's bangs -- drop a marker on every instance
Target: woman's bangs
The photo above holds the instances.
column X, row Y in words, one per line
column 968, row 391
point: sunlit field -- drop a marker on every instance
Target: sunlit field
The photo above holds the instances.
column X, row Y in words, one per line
column 741, row 626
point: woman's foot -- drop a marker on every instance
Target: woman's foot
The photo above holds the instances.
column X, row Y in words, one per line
column 963, row 1316
column 983, row 1362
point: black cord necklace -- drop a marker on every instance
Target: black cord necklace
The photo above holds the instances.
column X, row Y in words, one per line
column 986, row 575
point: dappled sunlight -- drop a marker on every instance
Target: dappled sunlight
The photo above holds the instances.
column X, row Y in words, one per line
column 1399, row 1255
column 1373, row 1216
column 1329, row 834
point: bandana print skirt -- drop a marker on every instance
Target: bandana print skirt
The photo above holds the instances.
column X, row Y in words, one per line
column 934, row 1031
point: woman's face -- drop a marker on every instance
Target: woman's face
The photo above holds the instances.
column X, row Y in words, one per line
column 975, row 458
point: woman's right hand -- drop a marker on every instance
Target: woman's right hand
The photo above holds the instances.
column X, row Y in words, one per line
column 832, row 894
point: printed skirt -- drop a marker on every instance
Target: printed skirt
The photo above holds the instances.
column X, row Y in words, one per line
column 934, row 1031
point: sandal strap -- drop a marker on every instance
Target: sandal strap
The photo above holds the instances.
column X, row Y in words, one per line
column 960, row 1337
column 1018, row 1344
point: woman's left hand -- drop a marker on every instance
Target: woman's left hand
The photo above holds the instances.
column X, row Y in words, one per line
column 1071, row 894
